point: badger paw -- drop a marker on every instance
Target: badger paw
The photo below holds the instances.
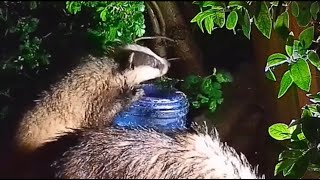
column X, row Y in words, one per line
column 139, row 93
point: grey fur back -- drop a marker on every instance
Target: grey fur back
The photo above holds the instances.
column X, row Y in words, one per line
column 119, row 153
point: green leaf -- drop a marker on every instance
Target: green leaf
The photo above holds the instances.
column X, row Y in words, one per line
column 299, row 168
column 213, row 106
column 208, row 4
column 301, row 75
column 297, row 135
column 282, row 20
column 220, row 100
column 282, row 25
column 276, row 59
column 315, row 99
column 285, row 83
column 200, row 17
column 141, row 8
column 223, row 77
column 282, row 165
column 314, row 9
column 202, row 99
column 214, row 4
column 103, row 15
column 270, row 75
column 274, row 3
column 302, row 145
column 314, row 167
column 206, row 85
column 290, row 154
column 232, row 20
column 263, row 20
column 310, row 127
column 306, row 113
column 314, row 107
column 314, row 59
column 209, row 25
column 216, row 93
column 33, row 5
column 196, row 104
column 236, row 3
column 219, row 18
column 279, row 131
column 289, row 44
column 192, row 79
column 111, row 35
column 292, row 128
column 301, row 136
column 304, row 17
column 191, row 82
column 294, row 122
column 298, row 49
column 100, row 9
column 306, row 37
column 244, row 21
column 294, row 8
column 216, row 85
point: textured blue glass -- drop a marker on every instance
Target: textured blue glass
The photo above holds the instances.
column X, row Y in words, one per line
column 162, row 109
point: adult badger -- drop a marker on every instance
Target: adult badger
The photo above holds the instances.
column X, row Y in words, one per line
column 143, row 153
column 78, row 111
column 89, row 96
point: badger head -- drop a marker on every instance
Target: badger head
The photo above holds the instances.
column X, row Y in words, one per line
column 144, row 65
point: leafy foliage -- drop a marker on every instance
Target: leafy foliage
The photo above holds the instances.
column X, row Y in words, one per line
column 202, row 92
column 301, row 55
column 111, row 21
column 206, row 91
column 29, row 54
column 263, row 15
column 105, row 23
column 37, row 36
column 302, row 136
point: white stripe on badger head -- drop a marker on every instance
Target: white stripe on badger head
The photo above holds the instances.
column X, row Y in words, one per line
column 138, row 48
column 131, row 59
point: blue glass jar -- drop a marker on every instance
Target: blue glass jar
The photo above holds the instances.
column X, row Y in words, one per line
column 160, row 108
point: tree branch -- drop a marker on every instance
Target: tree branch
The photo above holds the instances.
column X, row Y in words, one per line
column 158, row 49
column 154, row 37
column 160, row 18
column 185, row 47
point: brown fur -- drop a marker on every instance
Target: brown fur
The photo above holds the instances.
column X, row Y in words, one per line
column 143, row 154
column 82, row 98
column 83, row 105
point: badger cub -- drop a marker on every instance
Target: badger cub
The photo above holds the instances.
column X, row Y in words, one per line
column 89, row 96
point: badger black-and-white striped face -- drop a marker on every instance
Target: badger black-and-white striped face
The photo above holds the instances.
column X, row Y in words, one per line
column 144, row 65
column 143, row 56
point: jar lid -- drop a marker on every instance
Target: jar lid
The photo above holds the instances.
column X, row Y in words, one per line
column 160, row 108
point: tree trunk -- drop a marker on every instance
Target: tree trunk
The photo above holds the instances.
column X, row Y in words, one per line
column 189, row 54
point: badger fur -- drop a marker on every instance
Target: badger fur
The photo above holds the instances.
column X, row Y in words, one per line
column 89, row 96
column 77, row 112
column 143, row 154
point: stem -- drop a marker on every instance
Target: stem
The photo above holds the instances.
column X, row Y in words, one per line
column 156, row 29
column 154, row 37
column 153, row 18
column 160, row 18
